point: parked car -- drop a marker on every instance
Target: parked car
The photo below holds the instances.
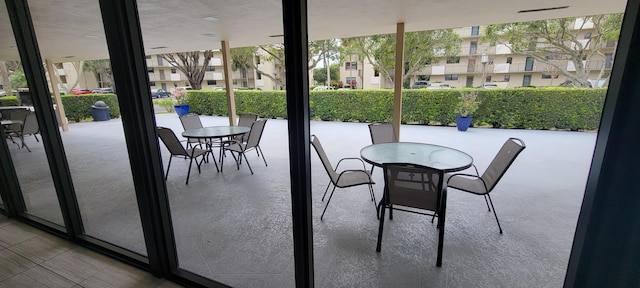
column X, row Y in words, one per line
column 420, row 84
column 322, row 88
column 78, row 91
column 102, row 90
column 439, row 86
column 158, row 93
column 490, row 86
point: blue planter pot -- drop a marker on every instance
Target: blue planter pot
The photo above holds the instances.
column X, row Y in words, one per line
column 463, row 122
column 182, row 109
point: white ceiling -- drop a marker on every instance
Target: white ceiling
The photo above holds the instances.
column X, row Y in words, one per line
column 70, row 30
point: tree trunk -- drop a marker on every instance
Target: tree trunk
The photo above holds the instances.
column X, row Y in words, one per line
column 5, row 78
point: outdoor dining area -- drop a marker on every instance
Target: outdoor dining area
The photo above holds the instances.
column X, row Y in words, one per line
column 233, row 223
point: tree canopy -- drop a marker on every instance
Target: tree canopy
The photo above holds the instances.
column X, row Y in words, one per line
column 320, row 74
column 558, row 42
column 189, row 64
column 420, row 48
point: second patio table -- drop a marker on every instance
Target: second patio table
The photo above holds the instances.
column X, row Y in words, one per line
column 434, row 156
column 215, row 132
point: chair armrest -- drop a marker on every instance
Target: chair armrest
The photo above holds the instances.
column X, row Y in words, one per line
column 350, row 158
column 355, row 171
column 468, row 175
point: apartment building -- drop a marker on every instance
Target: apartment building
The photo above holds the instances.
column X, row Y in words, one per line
column 477, row 61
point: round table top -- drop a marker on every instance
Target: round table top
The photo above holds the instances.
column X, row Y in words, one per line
column 9, row 122
column 434, row 156
column 215, row 132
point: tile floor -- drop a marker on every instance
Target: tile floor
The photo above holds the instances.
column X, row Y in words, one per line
column 33, row 258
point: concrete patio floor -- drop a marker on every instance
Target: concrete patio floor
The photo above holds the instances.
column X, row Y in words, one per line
column 235, row 227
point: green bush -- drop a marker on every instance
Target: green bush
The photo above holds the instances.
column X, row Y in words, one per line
column 78, row 107
column 9, row 101
column 167, row 103
column 526, row 108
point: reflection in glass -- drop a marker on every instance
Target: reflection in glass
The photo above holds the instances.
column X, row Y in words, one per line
column 96, row 150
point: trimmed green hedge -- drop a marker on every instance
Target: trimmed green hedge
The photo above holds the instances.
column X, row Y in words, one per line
column 9, row 101
column 524, row 108
column 78, row 107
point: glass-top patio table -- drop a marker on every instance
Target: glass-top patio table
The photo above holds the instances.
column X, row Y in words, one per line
column 434, row 156
column 213, row 132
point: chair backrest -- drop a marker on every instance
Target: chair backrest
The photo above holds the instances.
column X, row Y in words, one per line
column 191, row 121
column 413, row 185
column 255, row 134
column 246, row 119
column 315, row 142
column 382, row 132
column 171, row 141
column 501, row 162
column 30, row 125
column 18, row 114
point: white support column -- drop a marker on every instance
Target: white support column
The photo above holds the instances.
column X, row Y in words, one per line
column 56, row 95
column 397, row 83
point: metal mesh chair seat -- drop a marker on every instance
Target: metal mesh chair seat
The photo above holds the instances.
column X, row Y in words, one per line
column 416, row 189
column 344, row 179
column 483, row 185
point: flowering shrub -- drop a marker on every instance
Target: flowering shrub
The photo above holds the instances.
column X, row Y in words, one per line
column 468, row 103
column 179, row 96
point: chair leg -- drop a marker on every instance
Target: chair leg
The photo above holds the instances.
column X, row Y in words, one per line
column 441, row 219
column 379, row 245
column 262, row 154
column 494, row 213
column 23, row 144
column 325, row 207
column 247, row 160
column 326, row 190
column 373, row 198
column 487, row 202
column 35, row 136
column 167, row 176
column 189, row 171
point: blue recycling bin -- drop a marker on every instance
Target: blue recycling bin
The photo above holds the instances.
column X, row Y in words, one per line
column 100, row 111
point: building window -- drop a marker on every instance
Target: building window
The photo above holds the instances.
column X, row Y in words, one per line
column 152, row 83
column 351, row 66
column 147, row 57
column 351, row 81
column 509, row 60
column 532, row 46
column 526, row 80
column 235, row 82
column 611, row 43
column 58, row 65
column 608, row 60
column 173, row 70
column 507, row 77
column 160, row 61
column 63, row 79
column 490, row 60
column 528, row 66
column 587, row 35
column 259, row 76
column 212, row 82
column 257, row 60
column 376, row 73
column 475, row 30
column 211, row 68
column 488, row 79
column 473, row 49
column 150, row 70
column 424, row 77
column 451, row 77
column 549, row 76
column 451, row 60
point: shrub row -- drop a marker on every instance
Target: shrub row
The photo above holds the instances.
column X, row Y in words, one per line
column 77, row 108
column 525, row 108
column 9, row 101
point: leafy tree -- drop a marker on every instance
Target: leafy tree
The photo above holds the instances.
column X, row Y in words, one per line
column 320, row 74
column 17, row 79
column 318, row 51
column 420, row 49
column 557, row 42
column 101, row 70
column 189, row 64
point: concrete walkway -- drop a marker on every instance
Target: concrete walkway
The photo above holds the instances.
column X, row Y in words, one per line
column 236, row 227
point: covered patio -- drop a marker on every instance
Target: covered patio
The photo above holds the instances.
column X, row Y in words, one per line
column 236, row 227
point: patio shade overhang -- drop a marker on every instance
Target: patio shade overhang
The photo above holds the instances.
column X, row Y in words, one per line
column 71, row 31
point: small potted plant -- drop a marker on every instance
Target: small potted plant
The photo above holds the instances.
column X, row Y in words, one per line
column 179, row 96
column 467, row 105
